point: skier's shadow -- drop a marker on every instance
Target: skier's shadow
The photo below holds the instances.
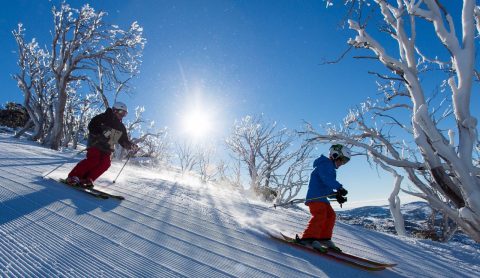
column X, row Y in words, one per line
column 40, row 202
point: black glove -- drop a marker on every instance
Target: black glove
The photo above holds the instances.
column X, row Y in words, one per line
column 342, row 191
column 341, row 199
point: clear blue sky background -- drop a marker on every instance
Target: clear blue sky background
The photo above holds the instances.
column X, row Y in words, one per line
column 235, row 57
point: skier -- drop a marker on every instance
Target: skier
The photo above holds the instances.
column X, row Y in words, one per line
column 323, row 182
column 105, row 130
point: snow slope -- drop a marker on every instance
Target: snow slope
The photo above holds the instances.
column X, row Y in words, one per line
column 172, row 228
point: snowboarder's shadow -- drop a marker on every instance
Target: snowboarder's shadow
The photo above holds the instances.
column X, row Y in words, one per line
column 52, row 200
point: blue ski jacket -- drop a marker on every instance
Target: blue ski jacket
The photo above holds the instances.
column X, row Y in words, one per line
column 323, row 180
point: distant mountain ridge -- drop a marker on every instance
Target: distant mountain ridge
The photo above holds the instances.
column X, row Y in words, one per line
column 378, row 218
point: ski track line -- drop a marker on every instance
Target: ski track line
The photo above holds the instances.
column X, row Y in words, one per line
column 50, row 247
column 52, row 181
column 93, row 247
column 207, row 250
column 132, row 191
column 257, row 247
column 143, row 199
column 11, row 263
column 134, row 263
column 35, row 166
column 358, row 248
column 42, row 169
column 240, row 262
column 198, row 234
column 86, row 254
column 170, row 206
column 32, row 264
column 262, row 209
column 167, row 208
column 244, row 242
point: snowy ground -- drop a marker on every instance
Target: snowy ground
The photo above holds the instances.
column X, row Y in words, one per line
column 172, row 228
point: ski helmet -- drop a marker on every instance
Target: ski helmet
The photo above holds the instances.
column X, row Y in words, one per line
column 120, row 106
column 339, row 151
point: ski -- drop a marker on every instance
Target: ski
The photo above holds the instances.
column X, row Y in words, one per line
column 332, row 255
column 92, row 191
column 118, row 197
column 362, row 259
column 351, row 256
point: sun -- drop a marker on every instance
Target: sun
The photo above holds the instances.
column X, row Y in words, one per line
column 197, row 123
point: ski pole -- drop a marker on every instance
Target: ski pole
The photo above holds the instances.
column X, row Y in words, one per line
column 295, row 201
column 44, row 176
column 128, row 157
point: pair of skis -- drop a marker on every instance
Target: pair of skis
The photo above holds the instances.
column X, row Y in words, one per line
column 339, row 256
column 92, row 191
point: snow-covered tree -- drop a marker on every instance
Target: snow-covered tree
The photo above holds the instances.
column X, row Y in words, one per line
column 289, row 181
column 206, row 167
column 158, row 146
column 187, row 155
column 83, row 42
column 140, row 130
column 264, row 150
column 249, row 136
column 442, row 163
column 34, row 80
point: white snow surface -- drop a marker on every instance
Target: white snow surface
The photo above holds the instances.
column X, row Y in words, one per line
column 167, row 227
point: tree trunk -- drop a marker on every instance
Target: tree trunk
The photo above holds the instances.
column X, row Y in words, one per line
column 57, row 131
column 395, row 207
column 27, row 126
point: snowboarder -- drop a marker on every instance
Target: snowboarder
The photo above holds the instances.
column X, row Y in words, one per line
column 105, row 130
column 323, row 182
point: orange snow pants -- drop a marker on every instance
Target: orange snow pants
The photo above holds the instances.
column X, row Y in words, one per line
column 321, row 224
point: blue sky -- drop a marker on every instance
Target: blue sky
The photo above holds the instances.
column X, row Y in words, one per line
column 232, row 58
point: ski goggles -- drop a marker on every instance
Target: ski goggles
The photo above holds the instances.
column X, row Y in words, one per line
column 122, row 113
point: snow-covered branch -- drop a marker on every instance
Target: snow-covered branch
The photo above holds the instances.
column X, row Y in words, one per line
column 448, row 176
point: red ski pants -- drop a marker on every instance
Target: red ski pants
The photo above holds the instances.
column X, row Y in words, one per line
column 321, row 224
column 96, row 163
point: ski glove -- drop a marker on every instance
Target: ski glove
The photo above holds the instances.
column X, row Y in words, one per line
column 133, row 149
column 342, row 191
column 341, row 199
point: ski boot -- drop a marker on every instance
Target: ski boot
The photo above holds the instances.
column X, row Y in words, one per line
column 73, row 181
column 86, row 183
column 310, row 242
column 319, row 247
column 305, row 241
column 328, row 244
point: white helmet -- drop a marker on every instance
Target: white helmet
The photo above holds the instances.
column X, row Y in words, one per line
column 120, row 106
column 339, row 151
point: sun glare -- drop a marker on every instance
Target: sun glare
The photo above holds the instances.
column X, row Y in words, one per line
column 197, row 123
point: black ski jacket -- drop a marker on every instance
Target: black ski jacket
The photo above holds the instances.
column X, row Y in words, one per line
column 106, row 130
